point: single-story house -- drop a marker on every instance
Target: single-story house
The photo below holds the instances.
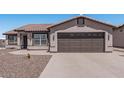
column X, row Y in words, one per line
column 79, row 34
column 118, row 37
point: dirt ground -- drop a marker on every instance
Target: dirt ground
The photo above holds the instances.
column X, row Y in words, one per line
column 19, row 66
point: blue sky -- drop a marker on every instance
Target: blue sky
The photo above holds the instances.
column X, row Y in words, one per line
column 12, row 21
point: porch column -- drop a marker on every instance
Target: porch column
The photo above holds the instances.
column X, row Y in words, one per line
column 18, row 40
column 29, row 37
column 6, row 42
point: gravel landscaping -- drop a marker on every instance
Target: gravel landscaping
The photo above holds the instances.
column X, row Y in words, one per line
column 19, row 66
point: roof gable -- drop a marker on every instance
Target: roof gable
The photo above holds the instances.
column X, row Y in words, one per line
column 121, row 26
column 81, row 17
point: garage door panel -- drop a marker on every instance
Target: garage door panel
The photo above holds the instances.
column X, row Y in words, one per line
column 87, row 44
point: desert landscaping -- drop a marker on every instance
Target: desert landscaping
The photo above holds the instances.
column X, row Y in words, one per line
column 21, row 66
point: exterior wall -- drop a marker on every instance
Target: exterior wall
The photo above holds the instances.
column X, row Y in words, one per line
column 6, row 41
column 20, row 38
column 88, row 27
column 54, row 30
column 29, row 39
column 20, row 42
column 118, row 37
column 108, row 29
column 30, row 43
column 11, row 46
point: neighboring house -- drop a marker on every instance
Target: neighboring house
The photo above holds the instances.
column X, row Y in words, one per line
column 79, row 34
column 2, row 43
column 118, row 36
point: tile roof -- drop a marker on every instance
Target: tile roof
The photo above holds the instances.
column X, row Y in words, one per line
column 30, row 28
column 33, row 27
column 10, row 33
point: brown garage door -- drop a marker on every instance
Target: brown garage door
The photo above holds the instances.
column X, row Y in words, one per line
column 81, row 42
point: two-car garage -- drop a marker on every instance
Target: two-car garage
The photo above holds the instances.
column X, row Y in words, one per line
column 81, row 34
column 81, row 42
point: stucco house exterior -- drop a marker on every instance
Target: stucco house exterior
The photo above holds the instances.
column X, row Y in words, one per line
column 118, row 37
column 79, row 34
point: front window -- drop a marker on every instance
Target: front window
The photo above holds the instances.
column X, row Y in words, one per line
column 39, row 39
column 12, row 40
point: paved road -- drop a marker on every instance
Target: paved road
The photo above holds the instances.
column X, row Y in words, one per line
column 87, row 65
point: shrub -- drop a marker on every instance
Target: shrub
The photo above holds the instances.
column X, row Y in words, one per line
column 28, row 56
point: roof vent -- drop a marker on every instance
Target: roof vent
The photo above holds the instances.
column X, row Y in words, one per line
column 80, row 22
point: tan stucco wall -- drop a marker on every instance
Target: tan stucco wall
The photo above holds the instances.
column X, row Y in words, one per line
column 88, row 27
column 54, row 30
column 6, row 41
column 29, row 37
column 12, row 46
column 20, row 42
column 107, row 29
column 30, row 44
column 118, row 38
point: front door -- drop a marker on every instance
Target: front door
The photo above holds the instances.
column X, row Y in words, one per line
column 24, row 42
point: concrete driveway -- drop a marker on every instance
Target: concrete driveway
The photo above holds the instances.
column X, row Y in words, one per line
column 85, row 65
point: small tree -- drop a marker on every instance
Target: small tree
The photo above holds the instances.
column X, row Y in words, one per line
column 28, row 56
